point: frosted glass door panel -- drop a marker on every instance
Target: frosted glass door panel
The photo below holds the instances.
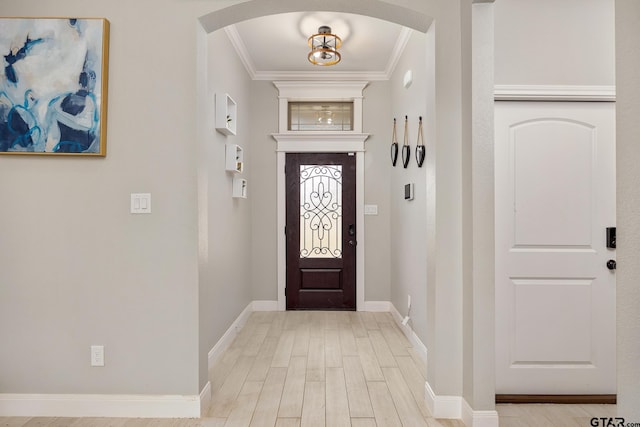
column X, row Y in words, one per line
column 320, row 211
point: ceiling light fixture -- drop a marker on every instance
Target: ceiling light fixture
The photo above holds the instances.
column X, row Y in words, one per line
column 324, row 47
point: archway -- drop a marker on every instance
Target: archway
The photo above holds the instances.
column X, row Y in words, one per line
column 449, row 276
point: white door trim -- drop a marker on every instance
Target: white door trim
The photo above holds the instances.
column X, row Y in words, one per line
column 554, row 93
column 555, row 299
column 320, row 142
column 292, row 146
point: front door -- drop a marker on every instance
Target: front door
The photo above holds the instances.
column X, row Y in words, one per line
column 555, row 296
column 321, row 231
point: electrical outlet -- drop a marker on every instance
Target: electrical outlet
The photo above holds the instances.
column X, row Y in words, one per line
column 409, row 302
column 97, row 355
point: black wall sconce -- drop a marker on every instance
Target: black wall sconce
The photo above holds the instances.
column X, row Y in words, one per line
column 420, row 148
column 394, row 145
column 406, row 149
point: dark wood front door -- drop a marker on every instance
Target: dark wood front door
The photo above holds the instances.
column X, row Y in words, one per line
column 321, row 231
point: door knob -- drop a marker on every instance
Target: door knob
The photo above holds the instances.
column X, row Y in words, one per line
column 353, row 242
column 611, row 264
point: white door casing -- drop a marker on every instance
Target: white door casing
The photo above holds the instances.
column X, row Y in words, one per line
column 320, row 142
column 555, row 297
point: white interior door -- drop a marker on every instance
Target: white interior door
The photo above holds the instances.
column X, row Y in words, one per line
column 555, row 296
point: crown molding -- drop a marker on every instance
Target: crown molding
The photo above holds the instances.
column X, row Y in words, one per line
column 243, row 53
column 554, row 93
column 398, row 49
column 321, row 75
column 241, row 49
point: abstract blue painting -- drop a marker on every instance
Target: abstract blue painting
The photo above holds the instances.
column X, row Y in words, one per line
column 53, row 86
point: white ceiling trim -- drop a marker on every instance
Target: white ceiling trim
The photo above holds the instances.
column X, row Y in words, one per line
column 398, row 49
column 241, row 49
column 321, row 75
column 243, row 53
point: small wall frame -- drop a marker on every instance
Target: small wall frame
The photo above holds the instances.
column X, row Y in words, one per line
column 54, row 104
column 226, row 114
column 239, row 190
column 234, row 158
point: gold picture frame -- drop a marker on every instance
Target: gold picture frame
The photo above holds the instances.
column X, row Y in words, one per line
column 53, row 86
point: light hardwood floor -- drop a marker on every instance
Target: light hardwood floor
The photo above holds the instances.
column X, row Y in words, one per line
column 311, row 368
column 545, row 415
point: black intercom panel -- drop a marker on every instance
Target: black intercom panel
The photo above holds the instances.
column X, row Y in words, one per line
column 408, row 191
column 611, row 237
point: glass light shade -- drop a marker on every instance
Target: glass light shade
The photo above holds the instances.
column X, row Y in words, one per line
column 324, row 47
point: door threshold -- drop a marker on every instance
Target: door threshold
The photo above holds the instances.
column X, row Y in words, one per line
column 609, row 399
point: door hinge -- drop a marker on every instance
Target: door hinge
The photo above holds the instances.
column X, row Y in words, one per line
column 285, row 292
column 285, row 230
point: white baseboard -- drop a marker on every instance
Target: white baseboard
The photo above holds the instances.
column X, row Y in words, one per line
column 473, row 418
column 127, row 406
column 99, row 405
column 265, row 306
column 205, row 399
column 177, row 406
column 226, row 340
column 443, row 406
column 379, row 306
column 417, row 343
column 458, row 408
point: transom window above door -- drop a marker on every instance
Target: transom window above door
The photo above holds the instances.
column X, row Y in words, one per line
column 320, row 116
column 310, row 109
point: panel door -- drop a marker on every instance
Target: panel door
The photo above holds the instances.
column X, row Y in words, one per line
column 321, row 231
column 555, row 296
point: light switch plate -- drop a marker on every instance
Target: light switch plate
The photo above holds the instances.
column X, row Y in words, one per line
column 97, row 355
column 140, row 203
column 371, row 209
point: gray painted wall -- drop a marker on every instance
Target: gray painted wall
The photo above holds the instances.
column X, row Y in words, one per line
column 225, row 223
column 479, row 295
column 628, row 199
column 408, row 220
column 263, row 191
column 550, row 42
column 376, row 122
column 76, row 267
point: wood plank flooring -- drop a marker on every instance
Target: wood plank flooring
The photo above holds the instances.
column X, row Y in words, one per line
column 550, row 415
column 321, row 369
column 311, row 368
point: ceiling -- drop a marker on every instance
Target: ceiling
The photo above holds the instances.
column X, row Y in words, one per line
column 275, row 47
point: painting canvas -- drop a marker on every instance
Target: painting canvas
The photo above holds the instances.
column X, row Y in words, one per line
column 53, row 86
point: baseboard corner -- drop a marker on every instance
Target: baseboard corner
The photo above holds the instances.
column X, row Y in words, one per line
column 448, row 407
column 483, row 418
column 205, row 399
